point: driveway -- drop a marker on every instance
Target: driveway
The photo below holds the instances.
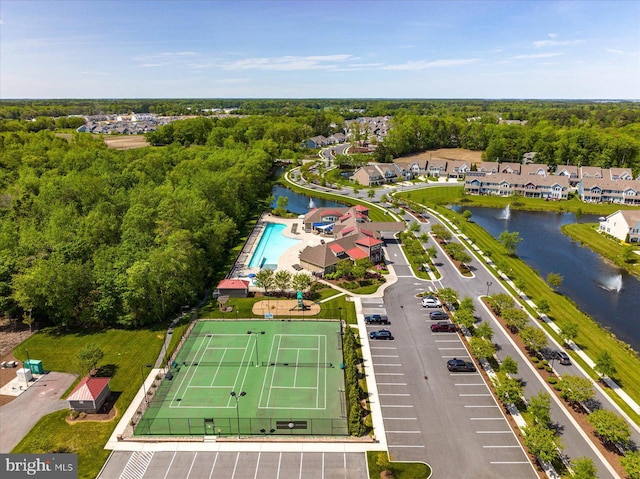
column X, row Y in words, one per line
column 42, row 398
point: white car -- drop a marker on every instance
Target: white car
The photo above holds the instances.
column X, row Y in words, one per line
column 431, row 302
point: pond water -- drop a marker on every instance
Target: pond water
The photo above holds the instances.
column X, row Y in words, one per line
column 300, row 204
column 605, row 292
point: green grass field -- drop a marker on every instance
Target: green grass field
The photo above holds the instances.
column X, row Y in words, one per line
column 289, row 371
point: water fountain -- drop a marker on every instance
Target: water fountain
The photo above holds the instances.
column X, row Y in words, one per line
column 312, row 205
column 506, row 213
column 613, row 284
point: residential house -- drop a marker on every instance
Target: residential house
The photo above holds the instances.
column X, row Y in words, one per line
column 620, row 173
column 510, row 168
column 458, row 168
column 534, row 169
column 530, row 186
column 89, row 395
column 570, row 171
column 600, row 190
column 437, row 167
column 591, row 172
column 315, row 142
column 375, row 174
column 623, row 225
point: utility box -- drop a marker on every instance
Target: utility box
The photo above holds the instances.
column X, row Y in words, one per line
column 24, row 374
column 34, row 365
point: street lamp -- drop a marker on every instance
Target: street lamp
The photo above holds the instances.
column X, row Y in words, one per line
column 237, row 397
column 256, row 333
column 489, row 283
column 144, row 390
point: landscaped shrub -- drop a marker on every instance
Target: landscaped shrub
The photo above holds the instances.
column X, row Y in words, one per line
column 552, row 380
column 535, row 360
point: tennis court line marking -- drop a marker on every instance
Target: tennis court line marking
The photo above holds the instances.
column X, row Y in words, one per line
column 191, row 372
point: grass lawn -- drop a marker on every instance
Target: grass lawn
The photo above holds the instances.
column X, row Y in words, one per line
column 587, row 234
column 592, row 337
column 378, row 461
column 125, row 354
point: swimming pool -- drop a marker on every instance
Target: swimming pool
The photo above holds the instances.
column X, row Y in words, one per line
column 271, row 246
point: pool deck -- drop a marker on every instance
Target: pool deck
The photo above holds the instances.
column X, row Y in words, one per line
column 287, row 260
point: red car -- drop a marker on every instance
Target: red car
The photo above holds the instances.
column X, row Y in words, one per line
column 443, row 327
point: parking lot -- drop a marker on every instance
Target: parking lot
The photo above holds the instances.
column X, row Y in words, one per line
column 234, row 465
column 432, row 415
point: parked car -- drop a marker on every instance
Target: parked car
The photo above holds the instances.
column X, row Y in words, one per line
column 382, row 334
column 458, row 365
column 438, row 315
column 376, row 319
column 562, row 357
column 443, row 327
column 431, row 302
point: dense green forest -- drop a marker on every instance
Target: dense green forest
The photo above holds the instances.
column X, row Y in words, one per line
column 92, row 237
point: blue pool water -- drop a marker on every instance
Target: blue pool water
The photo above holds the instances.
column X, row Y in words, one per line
column 271, row 246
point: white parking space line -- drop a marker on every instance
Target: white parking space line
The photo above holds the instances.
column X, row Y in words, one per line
column 459, row 356
column 383, row 347
column 400, row 445
column 502, row 447
column 389, row 374
column 447, row 341
column 389, row 365
column 509, row 462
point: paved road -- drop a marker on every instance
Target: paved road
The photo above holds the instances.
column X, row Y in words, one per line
column 42, row 398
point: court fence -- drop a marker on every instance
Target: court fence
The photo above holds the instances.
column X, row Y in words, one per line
column 228, row 426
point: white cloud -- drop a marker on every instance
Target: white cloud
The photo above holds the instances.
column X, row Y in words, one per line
column 552, row 35
column 537, row 55
column 556, row 43
column 614, row 51
column 424, row 64
column 289, row 63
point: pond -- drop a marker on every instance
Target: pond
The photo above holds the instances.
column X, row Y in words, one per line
column 301, row 204
column 605, row 292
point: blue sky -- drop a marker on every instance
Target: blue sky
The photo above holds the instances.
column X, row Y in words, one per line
column 320, row 49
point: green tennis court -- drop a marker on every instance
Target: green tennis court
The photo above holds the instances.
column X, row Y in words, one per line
column 285, row 377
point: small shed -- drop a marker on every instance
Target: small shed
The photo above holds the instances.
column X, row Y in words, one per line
column 234, row 288
column 89, row 395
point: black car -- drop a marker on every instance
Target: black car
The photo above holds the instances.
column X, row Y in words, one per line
column 443, row 327
column 438, row 315
column 382, row 334
column 376, row 319
column 561, row 357
column 458, row 365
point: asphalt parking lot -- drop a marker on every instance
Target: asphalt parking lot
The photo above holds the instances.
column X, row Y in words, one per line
column 234, row 465
column 432, row 415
